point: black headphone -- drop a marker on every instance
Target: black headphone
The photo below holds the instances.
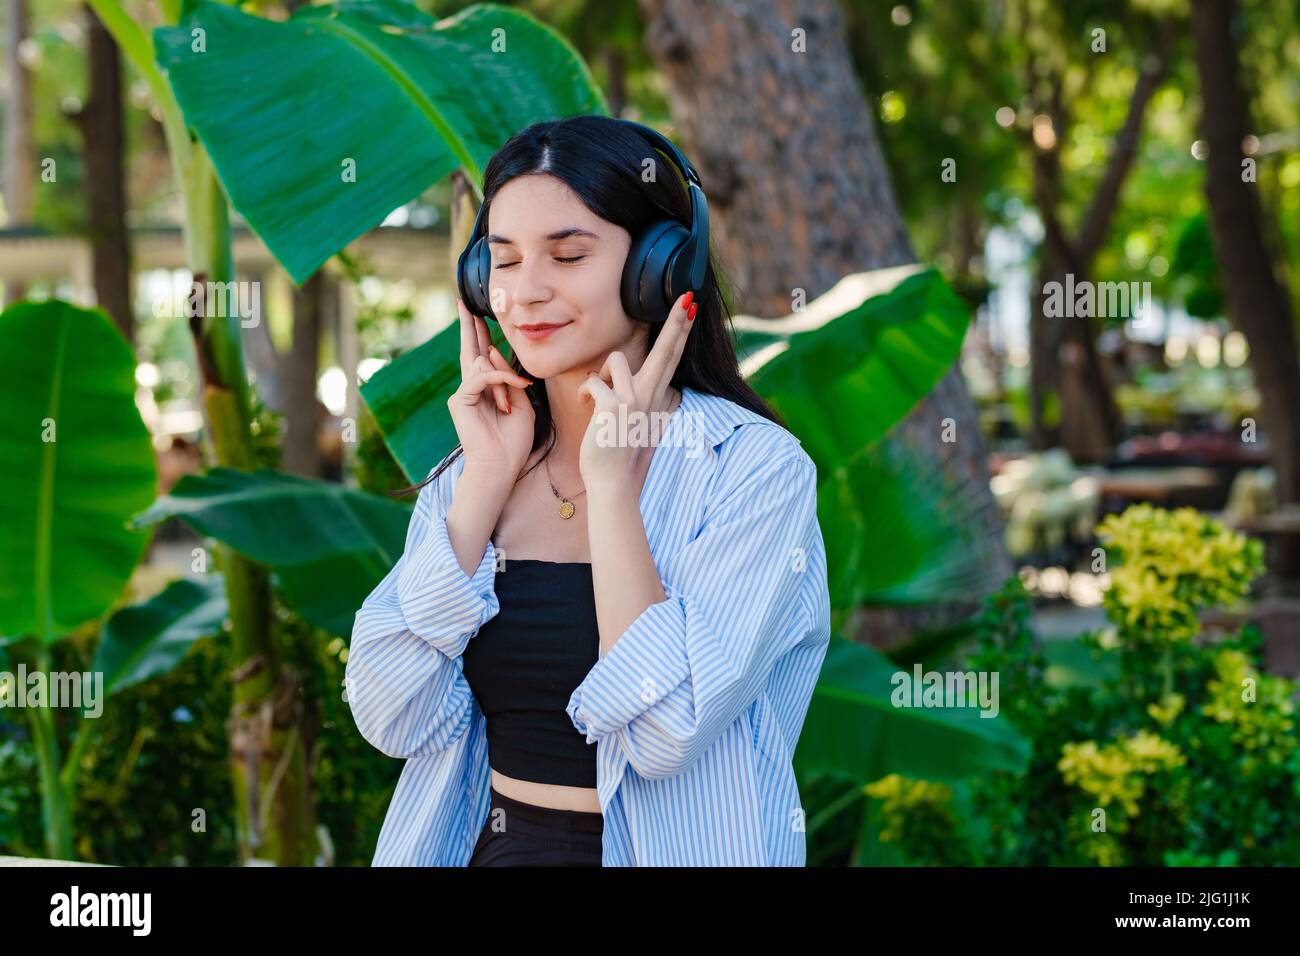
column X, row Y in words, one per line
column 663, row 262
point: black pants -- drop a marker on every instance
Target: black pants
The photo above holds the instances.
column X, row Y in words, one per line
column 532, row 835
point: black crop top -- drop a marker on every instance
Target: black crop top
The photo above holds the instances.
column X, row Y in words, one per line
column 524, row 664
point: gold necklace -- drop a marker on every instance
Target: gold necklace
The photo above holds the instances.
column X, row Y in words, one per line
column 566, row 504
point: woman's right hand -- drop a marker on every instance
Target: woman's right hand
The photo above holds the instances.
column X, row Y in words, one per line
column 492, row 414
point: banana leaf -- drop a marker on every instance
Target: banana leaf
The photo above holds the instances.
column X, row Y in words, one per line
column 857, row 359
column 78, row 464
column 320, row 125
column 854, row 728
column 329, row 545
column 149, row 639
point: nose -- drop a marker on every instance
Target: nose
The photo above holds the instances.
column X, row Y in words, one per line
column 531, row 284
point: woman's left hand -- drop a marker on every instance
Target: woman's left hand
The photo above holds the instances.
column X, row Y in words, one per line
column 628, row 408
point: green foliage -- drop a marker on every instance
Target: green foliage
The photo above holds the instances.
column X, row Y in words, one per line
column 329, row 545
column 159, row 752
column 918, row 814
column 78, row 464
column 1195, row 264
column 345, row 82
column 149, row 639
column 375, row 468
column 352, row 781
column 1167, row 566
column 1184, row 754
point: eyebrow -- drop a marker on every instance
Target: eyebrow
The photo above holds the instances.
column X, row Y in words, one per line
column 566, row 233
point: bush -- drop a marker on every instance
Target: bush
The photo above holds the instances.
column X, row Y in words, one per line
column 1187, row 756
column 160, row 751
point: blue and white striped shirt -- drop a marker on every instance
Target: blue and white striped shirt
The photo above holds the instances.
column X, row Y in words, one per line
column 696, row 709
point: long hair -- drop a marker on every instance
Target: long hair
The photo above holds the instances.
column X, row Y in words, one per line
column 601, row 159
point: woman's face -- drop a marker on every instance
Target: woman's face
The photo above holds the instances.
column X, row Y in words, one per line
column 554, row 262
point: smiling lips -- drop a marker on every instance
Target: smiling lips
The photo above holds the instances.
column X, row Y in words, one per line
column 535, row 333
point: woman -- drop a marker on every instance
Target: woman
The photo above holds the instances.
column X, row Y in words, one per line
column 599, row 644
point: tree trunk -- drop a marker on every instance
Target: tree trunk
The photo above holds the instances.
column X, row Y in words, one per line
column 1257, row 301
column 298, row 381
column 100, row 122
column 1063, row 350
column 799, row 194
column 19, row 170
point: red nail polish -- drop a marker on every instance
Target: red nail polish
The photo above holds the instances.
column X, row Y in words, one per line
column 690, row 313
column 686, row 302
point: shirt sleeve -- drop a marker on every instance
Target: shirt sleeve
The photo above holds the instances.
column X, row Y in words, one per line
column 688, row 666
column 404, row 679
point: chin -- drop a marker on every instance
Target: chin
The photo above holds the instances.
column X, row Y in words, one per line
column 538, row 365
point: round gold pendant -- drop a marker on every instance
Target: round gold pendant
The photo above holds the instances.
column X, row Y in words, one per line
column 566, row 509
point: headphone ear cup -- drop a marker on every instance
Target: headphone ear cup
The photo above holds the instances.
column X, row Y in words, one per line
column 644, row 289
column 473, row 273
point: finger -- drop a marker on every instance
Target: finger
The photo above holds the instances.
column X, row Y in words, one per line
column 484, row 364
column 484, row 348
column 468, row 339
column 617, row 372
column 657, row 370
column 597, row 392
column 481, row 381
column 499, row 362
column 483, row 335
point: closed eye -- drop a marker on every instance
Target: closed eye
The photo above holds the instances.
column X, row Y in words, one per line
column 568, row 261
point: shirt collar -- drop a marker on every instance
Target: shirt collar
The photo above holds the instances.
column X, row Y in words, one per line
column 713, row 416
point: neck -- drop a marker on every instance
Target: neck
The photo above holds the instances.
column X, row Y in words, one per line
column 570, row 415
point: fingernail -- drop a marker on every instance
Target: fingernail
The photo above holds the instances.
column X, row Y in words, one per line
column 686, row 302
column 507, row 406
column 690, row 313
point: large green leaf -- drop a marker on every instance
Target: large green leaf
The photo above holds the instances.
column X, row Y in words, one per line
column 843, row 373
column 284, row 108
column 408, row 398
column 329, row 545
column 854, row 728
column 901, row 528
column 850, row 366
column 328, row 593
column 78, row 464
column 145, row 640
